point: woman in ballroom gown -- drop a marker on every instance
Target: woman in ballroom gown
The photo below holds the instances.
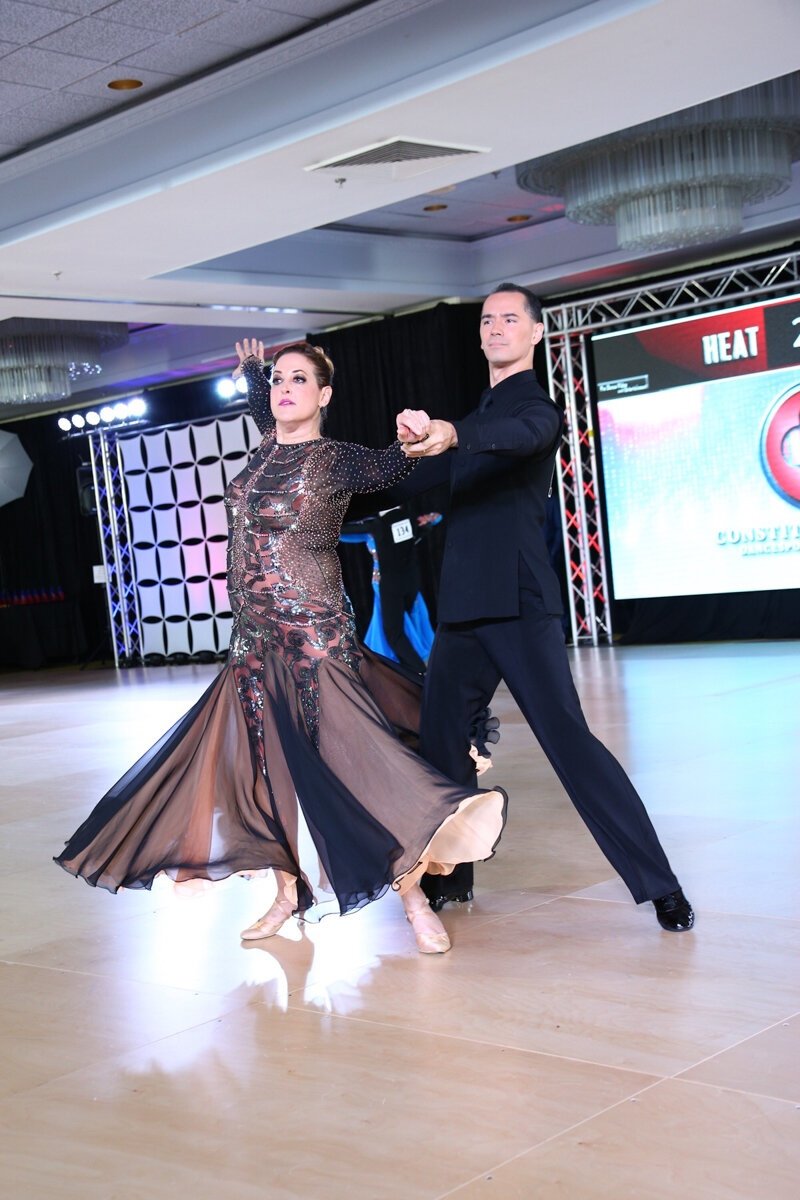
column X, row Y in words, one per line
column 298, row 756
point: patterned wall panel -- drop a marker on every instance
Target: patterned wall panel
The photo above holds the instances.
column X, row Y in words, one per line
column 175, row 480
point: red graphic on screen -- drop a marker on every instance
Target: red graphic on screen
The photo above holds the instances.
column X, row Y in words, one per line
column 780, row 446
column 717, row 346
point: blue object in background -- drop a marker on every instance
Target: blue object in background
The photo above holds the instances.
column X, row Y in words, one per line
column 417, row 622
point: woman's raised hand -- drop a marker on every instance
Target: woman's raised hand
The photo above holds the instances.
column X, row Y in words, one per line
column 248, row 348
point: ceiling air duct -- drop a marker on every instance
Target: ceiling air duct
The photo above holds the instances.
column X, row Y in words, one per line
column 395, row 158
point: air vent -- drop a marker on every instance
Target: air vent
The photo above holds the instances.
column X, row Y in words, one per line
column 396, row 157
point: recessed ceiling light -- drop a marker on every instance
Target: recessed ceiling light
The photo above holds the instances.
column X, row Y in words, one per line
column 518, row 218
column 124, row 85
column 434, row 207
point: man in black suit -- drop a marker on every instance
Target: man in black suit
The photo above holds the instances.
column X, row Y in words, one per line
column 500, row 604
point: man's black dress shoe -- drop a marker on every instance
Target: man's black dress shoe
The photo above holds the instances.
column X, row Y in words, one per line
column 674, row 912
column 437, row 903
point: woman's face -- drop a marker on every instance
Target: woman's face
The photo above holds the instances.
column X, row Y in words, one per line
column 296, row 398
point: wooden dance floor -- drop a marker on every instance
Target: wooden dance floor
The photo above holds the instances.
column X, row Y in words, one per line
column 566, row 1047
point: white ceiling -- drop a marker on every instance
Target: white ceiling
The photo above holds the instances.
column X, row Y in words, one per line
column 192, row 199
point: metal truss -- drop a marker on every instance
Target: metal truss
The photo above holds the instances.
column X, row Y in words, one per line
column 576, row 472
column 568, row 327
column 115, row 542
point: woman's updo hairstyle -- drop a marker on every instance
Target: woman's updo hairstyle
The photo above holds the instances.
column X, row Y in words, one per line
column 316, row 356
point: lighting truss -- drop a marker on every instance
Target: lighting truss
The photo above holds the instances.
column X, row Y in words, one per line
column 116, row 545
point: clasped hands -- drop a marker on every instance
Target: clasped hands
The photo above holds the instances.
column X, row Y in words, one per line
column 423, row 437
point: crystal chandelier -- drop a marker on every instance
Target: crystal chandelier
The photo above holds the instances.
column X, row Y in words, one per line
column 40, row 360
column 682, row 179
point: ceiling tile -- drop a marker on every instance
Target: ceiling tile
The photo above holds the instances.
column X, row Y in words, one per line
column 15, row 95
column 59, row 109
column 30, row 64
column 23, row 23
column 94, row 38
column 249, row 25
column 185, row 53
column 166, row 16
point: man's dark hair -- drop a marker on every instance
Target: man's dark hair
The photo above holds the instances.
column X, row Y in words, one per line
column 533, row 304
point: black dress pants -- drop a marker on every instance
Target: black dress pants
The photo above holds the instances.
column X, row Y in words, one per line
column 466, row 664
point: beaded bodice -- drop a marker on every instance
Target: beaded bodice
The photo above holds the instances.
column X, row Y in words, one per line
column 285, row 512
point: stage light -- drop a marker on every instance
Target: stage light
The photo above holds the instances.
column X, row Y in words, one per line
column 121, row 411
column 241, row 385
column 226, row 389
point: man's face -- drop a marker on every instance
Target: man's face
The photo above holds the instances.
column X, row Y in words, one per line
column 508, row 332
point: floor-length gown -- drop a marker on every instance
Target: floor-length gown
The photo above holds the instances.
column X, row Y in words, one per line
column 304, row 740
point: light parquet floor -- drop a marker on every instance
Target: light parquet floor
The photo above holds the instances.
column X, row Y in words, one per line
column 566, row 1048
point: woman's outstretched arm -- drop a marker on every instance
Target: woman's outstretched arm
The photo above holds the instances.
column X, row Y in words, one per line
column 251, row 365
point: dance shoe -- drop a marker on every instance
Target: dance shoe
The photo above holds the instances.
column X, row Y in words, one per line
column 268, row 925
column 674, row 912
column 429, row 931
column 438, row 902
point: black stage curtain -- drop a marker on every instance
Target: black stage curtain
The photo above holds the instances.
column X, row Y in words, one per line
column 50, row 609
column 430, row 360
column 48, row 546
column 426, row 360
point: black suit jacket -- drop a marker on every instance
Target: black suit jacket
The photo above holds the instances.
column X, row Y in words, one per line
column 500, row 476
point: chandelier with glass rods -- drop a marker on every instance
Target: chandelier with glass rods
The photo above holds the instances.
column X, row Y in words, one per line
column 40, row 360
column 681, row 179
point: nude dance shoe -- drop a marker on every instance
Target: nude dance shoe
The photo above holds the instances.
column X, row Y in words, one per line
column 274, row 919
column 429, row 931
